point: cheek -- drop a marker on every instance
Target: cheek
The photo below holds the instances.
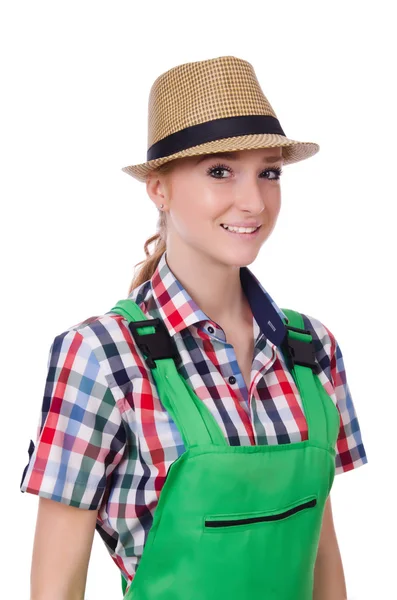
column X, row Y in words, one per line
column 198, row 207
column 274, row 202
column 188, row 211
column 182, row 216
column 215, row 203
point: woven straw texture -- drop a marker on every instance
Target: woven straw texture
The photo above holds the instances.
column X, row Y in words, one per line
column 198, row 92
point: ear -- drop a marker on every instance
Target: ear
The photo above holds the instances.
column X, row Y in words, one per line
column 156, row 189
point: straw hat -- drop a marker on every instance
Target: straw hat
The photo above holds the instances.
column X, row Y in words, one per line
column 214, row 105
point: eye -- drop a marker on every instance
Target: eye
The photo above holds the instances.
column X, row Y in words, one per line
column 218, row 167
column 275, row 171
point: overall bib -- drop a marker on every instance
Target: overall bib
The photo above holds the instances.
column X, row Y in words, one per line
column 235, row 522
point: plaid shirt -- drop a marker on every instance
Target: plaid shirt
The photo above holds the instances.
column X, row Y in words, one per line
column 104, row 440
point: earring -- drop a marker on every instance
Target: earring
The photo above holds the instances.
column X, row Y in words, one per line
column 161, row 205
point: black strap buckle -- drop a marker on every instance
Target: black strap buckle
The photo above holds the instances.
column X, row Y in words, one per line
column 154, row 345
column 301, row 352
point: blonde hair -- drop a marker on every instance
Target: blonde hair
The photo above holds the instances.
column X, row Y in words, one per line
column 149, row 264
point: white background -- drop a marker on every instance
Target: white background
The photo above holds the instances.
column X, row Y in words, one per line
column 75, row 79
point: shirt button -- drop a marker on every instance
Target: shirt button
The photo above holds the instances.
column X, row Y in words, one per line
column 211, row 329
column 232, row 380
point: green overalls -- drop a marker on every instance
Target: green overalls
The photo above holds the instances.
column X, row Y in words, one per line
column 235, row 522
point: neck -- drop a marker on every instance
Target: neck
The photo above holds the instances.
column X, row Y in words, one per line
column 215, row 287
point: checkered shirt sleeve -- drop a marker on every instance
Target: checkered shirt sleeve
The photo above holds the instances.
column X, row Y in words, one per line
column 80, row 437
column 350, row 452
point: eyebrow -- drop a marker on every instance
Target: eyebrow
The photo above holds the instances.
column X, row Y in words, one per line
column 234, row 156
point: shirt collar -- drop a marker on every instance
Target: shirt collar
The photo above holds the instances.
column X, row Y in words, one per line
column 178, row 310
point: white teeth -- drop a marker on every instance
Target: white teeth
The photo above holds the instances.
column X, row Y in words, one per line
column 240, row 229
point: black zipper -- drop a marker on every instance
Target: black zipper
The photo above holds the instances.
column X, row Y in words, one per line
column 283, row 515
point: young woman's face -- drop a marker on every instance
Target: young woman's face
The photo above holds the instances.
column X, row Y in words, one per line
column 203, row 193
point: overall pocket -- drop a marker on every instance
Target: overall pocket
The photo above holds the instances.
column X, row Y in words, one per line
column 241, row 519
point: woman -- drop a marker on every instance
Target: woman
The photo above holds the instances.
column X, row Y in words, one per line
column 234, row 412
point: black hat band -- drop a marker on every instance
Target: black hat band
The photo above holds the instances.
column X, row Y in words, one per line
column 214, row 130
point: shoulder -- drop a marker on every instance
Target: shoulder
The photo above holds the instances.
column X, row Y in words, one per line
column 103, row 346
column 94, row 332
column 108, row 333
column 325, row 343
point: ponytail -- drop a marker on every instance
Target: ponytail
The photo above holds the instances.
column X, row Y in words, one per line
column 149, row 264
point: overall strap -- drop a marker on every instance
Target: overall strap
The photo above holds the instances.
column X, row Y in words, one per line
column 298, row 347
column 193, row 419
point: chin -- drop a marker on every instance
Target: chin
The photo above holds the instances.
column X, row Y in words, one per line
column 243, row 259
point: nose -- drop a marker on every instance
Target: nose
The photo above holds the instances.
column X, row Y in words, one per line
column 251, row 196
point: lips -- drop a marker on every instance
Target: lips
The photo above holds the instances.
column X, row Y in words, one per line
column 231, row 228
column 241, row 235
column 248, row 225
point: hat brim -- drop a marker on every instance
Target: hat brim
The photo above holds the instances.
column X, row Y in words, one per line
column 293, row 151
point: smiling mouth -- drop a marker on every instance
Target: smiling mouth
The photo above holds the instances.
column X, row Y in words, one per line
column 241, row 230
